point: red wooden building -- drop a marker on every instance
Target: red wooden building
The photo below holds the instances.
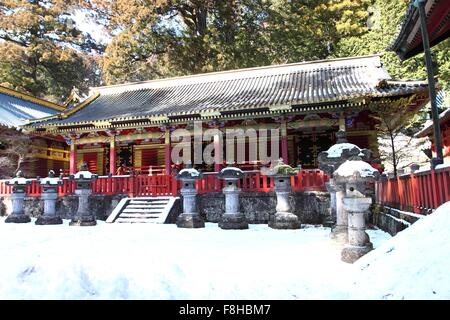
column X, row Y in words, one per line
column 408, row 41
column 424, row 190
column 123, row 129
column 427, row 131
column 48, row 152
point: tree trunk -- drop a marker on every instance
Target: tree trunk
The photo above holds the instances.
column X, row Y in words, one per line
column 19, row 164
column 394, row 158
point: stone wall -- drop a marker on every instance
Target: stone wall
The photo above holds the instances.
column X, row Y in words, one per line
column 65, row 207
column 311, row 207
column 391, row 220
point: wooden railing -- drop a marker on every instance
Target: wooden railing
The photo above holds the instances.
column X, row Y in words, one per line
column 254, row 181
column 419, row 192
column 35, row 190
column 156, row 185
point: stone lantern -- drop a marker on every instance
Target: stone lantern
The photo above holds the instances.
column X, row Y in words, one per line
column 49, row 195
column 84, row 179
column 18, row 184
column 232, row 217
column 355, row 175
column 190, row 218
column 329, row 161
column 283, row 218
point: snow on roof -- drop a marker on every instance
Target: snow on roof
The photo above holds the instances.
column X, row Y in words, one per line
column 50, row 181
column 412, row 265
column 336, row 150
column 442, row 166
column 349, row 167
column 191, row 171
column 84, row 175
column 18, row 181
column 428, row 128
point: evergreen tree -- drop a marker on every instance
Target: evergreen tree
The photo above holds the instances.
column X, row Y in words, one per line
column 164, row 38
column 382, row 28
column 42, row 50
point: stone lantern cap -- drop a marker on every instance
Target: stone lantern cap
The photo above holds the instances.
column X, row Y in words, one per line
column 19, row 180
column 355, row 171
column 338, row 153
column 341, row 149
column 189, row 173
column 230, row 173
column 281, row 169
column 51, row 180
column 83, row 174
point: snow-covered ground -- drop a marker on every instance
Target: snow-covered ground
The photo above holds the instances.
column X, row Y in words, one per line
column 130, row 261
column 415, row 264
column 124, row 261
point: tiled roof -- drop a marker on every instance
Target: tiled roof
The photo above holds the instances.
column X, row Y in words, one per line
column 408, row 40
column 15, row 107
column 428, row 129
column 244, row 89
column 443, row 102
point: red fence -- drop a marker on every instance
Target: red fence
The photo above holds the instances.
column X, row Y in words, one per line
column 418, row 192
column 159, row 185
column 254, row 181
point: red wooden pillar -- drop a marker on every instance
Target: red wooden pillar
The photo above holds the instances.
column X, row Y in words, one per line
column 73, row 157
column 112, row 155
column 434, row 190
column 415, row 193
column 167, row 152
column 401, row 200
column 217, row 153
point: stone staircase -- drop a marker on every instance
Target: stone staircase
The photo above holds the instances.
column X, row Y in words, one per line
column 142, row 210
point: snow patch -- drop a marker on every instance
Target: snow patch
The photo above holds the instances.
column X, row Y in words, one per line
column 18, row 181
column 86, row 175
column 442, row 166
column 50, row 181
column 131, row 261
column 412, row 265
column 349, row 167
column 191, row 171
column 336, row 150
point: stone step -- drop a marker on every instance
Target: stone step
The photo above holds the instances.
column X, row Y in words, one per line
column 142, row 210
column 132, row 210
column 139, row 215
column 142, row 206
column 161, row 202
column 133, row 220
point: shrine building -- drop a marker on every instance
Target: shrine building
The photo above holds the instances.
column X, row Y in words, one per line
column 47, row 152
column 127, row 128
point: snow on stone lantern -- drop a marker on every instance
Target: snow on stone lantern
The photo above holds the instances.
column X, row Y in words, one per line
column 355, row 175
column 329, row 161
column 190, row 218
column 84, row 179
column 232, row 218
column 19, row 183
column 283, row 218
column 49, row 195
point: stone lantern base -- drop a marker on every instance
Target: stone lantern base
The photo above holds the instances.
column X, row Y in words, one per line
column 17, row 218
column 233, row 222
column 190, row 220
column 48, row 220
column 284, row 220
column 83, row 221
column 352, row 253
